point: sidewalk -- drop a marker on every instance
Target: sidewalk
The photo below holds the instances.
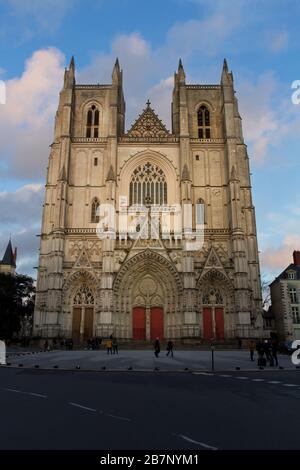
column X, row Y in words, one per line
column 143, row 360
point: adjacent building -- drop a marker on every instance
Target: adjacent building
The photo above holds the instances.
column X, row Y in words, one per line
column 142, row 287
column 8, row 262
column 285, row 298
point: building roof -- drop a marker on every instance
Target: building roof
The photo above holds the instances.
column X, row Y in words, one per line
column 9, row 257
column 284, row 274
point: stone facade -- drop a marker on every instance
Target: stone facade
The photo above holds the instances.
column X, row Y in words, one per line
column 285, row 298
column 136, row 288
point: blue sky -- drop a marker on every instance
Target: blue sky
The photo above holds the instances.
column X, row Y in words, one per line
column 260, row 40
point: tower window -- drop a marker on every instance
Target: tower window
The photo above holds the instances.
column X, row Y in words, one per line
column 92, row 122
column 203, row 118
column 200, row 212
column 95, row 211
column 197, row 158
column 95, row 161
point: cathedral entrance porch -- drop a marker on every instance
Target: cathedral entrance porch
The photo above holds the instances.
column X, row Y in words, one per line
column 147, row 323
column 213, row 323
column 82, row 325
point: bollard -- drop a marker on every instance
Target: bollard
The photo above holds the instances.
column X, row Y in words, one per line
column 212, row 357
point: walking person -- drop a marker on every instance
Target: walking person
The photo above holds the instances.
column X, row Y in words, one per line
column 115, row 346
column 252, row 349
column 109, row 346
column 170, row 347
column 274, row 347
column 156, row 347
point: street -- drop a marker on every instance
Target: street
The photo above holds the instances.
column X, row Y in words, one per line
column 240, row 410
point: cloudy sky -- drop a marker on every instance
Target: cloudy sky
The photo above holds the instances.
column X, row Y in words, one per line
column 260, row 39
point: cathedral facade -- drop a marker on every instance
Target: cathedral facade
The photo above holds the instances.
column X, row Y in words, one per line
column 132, row 271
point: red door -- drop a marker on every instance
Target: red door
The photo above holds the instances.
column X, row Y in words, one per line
column 157, row 323
column 139, row 323
column 207, row 324
column 219, row 316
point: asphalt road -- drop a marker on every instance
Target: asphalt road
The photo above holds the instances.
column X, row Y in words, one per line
column 149, row 411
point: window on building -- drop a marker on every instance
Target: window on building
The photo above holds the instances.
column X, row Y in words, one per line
column 95, row 211
column 148, row 185
column 95, row 161
column 92, row 122
column 203, row 117
column 291, row 275
column 197, row 157
column 293, row 295
column 200, row 212
column 295, row 314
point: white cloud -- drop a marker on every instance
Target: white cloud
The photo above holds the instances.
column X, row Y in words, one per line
column 278, row 258
column 278, row 41
column 36, row 16
column 27, row 118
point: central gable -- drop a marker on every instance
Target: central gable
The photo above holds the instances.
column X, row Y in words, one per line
column 148, row 124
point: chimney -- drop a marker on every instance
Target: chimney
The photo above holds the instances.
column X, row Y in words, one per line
column 296, row 256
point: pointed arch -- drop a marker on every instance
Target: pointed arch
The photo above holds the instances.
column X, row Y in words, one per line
column 204, row 122
column 95, row 210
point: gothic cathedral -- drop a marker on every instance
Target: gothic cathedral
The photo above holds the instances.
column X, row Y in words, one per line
column 96, row 278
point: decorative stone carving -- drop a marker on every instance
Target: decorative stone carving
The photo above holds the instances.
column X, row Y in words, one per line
column 148, row 124
column 84, row 296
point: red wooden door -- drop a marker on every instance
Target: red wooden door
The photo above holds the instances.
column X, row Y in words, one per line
column 139, row 323
column 219, row 317
column 207, row 324
column 157, row 323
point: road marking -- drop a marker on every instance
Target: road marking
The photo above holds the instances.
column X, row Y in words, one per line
column 225, row 375
column 39, row 395
column 81, row 406
column 242, row 378
column 258, row 380
column 117, row 417
column 202, row 444
column 290, row 385
column 274, row 382
column 202, row 373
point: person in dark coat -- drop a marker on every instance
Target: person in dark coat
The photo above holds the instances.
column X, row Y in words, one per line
column 157, row 347
column 274, row 347
column 115, row 346
column 170, row 347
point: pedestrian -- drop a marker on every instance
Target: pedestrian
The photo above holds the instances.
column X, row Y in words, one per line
column 46, row 346
column 109, row 346
column 170, row 347
column 157, row 347
column 115, row 346
column 240, row 343
column 251, row 349
column 274, row 347
column 267, row 349
column 261, row 362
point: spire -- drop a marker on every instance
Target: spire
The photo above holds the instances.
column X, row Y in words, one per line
column 69, row 80
column 185, row 173
column 116, row 73
column 9, row 257
column 72, row 63
column 111, row 174
column 181, row 73
column 226, row 77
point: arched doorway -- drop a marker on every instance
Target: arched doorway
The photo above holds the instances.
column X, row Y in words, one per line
column 83, row 314
column 148, row 297
column 215, row 302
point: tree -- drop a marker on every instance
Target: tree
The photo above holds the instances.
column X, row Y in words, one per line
column 16, row 301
